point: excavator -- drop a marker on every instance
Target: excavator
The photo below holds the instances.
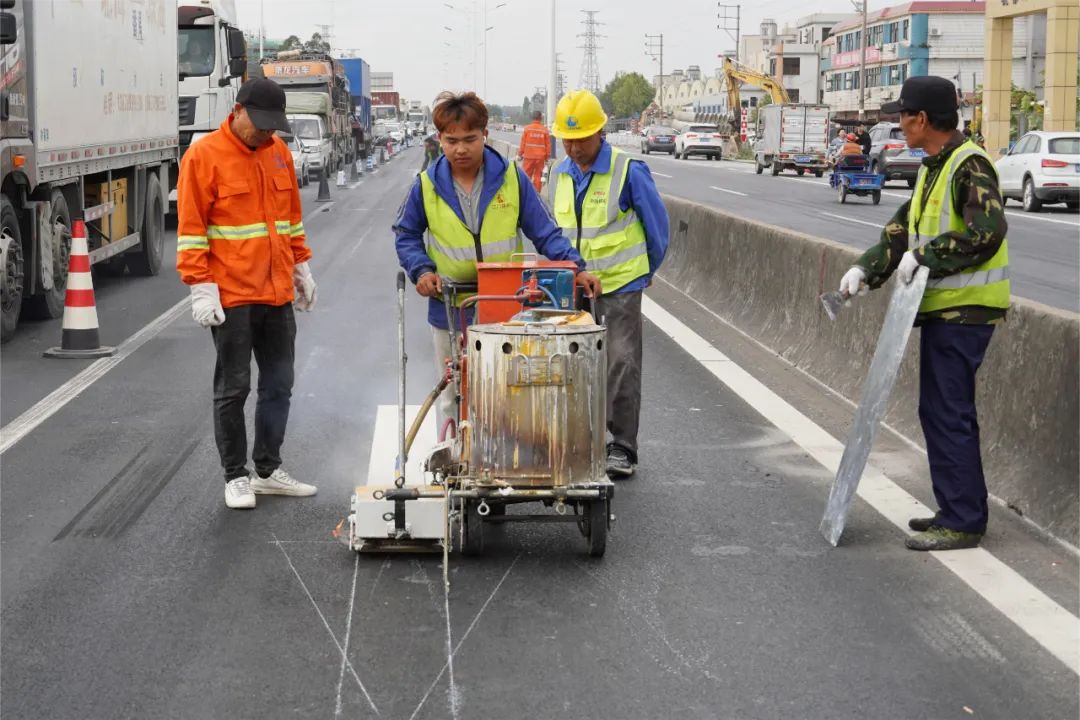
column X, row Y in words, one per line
column 736, row 74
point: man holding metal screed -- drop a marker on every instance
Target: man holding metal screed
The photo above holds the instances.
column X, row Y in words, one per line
column 954, row 224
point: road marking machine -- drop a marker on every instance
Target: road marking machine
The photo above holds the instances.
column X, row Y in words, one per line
column 529, row 379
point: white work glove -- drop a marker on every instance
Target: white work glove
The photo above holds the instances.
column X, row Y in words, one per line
column 306, row 289
column 854, row 282
column 206, row 305
column 908, row 266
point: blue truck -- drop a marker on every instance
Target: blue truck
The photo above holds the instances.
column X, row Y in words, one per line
column 358, row 73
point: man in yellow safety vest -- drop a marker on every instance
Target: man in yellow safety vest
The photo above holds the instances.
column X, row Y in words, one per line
column 608, row 205
column 954, row 224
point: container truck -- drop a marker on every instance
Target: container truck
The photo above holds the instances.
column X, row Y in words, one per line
column 358, row 73
column 88, row 129
column 318, row 73
column 386, row 105
column 792, row 136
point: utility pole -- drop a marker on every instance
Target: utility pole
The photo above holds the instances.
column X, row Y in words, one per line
column 726, row 18
column 861, row 7
column 654, row 47
column 590, row 69
column 553, row 73
column 262, row 30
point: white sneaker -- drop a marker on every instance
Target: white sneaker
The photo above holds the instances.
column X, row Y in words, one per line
column 238, row 494
column 280, row 483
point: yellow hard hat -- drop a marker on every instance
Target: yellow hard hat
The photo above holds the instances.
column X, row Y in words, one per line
column 578, row 115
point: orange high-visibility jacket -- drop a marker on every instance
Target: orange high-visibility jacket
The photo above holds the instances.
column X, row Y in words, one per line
column 535, row 142
column 240, row 222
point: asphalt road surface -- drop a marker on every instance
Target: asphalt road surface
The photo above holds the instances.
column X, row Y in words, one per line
column 1044, row 248
column 128, row 590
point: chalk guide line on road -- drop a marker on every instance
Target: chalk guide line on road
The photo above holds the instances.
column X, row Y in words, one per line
column 1052, row 626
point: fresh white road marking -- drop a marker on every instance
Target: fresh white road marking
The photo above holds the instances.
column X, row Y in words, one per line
column 48, row 406
column 733, row 192
column 844, row 217
column 1049, row 624
column 384, row 445
column 659, row 174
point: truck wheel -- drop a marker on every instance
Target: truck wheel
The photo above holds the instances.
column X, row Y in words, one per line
column 819, row 173
column 775, row 168
column 147, row 260
column 758, row 167
column 11, row 250
column 50, row 304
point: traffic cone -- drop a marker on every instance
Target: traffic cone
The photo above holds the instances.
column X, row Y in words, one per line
column 324, row 187
column 79, row 337
column 354, row 168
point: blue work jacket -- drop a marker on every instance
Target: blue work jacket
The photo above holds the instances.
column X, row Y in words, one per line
column 534, row 221
column 639, row 192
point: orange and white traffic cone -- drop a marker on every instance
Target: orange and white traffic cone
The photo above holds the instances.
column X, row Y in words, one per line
column 79, row 338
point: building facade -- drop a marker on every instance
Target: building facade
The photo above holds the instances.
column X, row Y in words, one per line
column 919, row 38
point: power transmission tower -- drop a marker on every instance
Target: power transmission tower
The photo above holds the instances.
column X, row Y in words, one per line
column 327, row 34
column 654, row 47
column 560, row 76
column 590, row 70
column 726, row 19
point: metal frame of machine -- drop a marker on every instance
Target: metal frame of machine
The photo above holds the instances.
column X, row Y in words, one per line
column 481, row 464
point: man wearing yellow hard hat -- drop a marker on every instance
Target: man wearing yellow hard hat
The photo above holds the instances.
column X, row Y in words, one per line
column 607, row 204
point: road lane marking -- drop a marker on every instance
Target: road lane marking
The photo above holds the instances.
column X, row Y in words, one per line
column 348, row 632
column 848, row 219
column 1030, row 216
column 52, row 403
column 733, row 192
column 1052, row 626
column 660, row 174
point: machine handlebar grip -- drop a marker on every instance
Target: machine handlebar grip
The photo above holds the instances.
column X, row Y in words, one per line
column 401, row 280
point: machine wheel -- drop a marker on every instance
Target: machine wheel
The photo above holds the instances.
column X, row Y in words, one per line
column 877, row 196
column 596, row 526
column 1031, row 203
column 819, row 173
column 11, row 245
column 50, row 304
column 841, row 192
column 775, row 168
column 474, row 529
column 147, row 260
column 800, row 171
column 758, row 167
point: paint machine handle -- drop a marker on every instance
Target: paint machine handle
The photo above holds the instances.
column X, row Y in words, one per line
column 401, row 280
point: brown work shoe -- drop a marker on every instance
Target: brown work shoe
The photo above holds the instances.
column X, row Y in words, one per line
column 939, row 538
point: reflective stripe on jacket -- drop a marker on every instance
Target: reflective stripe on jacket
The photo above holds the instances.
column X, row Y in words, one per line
column 239, row 219
column 535, row 142
column 986, row 284
column 454, row 248
column 611, row 240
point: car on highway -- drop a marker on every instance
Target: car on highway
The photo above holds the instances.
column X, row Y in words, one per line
column 1042, row 168
column 659, row 138
column 315, row 142
column 699, row 139
column 890, row 155
column 300, row 163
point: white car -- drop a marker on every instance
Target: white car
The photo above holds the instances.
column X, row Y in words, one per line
column 300, row 163
column 699, row 139
column 1042, row 168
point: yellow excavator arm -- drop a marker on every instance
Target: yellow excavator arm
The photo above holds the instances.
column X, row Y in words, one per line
column 736, row 73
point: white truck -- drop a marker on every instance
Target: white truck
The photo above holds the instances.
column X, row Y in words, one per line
column 792, row 136
column 211, row 62
column 88, row 109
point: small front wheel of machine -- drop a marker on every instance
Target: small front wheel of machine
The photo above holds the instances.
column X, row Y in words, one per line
column 50, row 304
column 1031, row 203
column 819, row 173
column 11, row 247
column 775, row 168
column 800, row 171
column 877, row 196
column 146, row 261
column 473, row 543
column 841, row 192
column 596, row 526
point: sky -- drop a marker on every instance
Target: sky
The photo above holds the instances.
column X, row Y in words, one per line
column 409, row 37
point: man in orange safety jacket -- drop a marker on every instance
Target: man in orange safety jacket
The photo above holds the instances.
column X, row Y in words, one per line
column 241, row 249
column 535, row 149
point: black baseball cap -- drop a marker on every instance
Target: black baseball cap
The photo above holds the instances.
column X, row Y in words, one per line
column 264, row 101
column 927, row 93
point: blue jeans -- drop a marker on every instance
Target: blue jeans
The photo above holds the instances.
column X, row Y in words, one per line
column 950, row 355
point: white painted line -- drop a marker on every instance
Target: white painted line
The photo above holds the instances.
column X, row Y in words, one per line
column 861, row 222
column 348, row 632
column 804, row 180
column 48, row 406
column 384, row 445
column 733, row 192
column 1049, row 624
column 659, row 173
column 1032, row 216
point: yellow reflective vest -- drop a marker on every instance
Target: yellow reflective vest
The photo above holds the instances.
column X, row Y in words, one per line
column 611, row 241
column 932, row 214
column 454, row 248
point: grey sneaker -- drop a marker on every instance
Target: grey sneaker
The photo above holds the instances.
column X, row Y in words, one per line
column 238, row 494
column 280, row 483
column 921, row 524
column 939, row 538
column 619, row 464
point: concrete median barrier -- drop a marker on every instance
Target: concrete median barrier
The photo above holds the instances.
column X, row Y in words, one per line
column 765, row 281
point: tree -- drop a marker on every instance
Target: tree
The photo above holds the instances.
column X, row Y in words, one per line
column 631, row 95
column 317, row 44
column 291, row 43
column 526, row 107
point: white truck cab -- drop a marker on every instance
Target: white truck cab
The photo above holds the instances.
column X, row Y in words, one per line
column 315, row 139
